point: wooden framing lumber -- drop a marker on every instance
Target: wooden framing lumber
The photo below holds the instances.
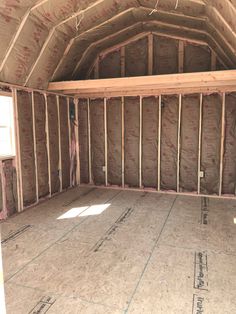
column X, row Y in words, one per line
column 48, row 146
column 149, row 190
column 59, row 142
column 94, row 44
column 76, row 102
column 140, row 139
column 124, row 43
column 19, row 30
column 89, row 144
column 222, row 143
column 178, row 142
column 128, row 41
column 199, row 145
column 159, row 145
column 184, row 83
column 12, row 87
column 35, row 148
column 123, row 140
column 69, row 132
column 18, row 154
column 51, row 33
column 107, row 51
column 62, row 58
column 3, row 213
column 141, row 22
column 206, row 39
column 105, row 141
column 7, row 94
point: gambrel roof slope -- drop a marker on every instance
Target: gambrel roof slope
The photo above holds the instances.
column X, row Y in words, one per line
column 45, row 40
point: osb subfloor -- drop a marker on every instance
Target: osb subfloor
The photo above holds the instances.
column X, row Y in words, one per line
column 134, row 253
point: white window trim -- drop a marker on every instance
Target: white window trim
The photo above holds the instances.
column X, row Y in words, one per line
column 12, row 154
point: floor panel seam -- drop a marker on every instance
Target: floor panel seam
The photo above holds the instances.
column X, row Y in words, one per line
column 56, row 294
column 55, row 242
column 149, row 258
column 107, row 231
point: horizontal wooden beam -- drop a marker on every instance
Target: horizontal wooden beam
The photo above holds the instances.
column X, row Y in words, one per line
column 185, row 83
column 153, row 92
column 11, row 87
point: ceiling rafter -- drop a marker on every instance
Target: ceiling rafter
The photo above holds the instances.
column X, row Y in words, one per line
column 216, row 21
column 67, row 50
column 114, row 48
column 19, row 30
column 157, row 23
column 120, row 45
column 229, row 61
column 70, row 45
column 61, row 23
column 131, row 39
column 105, row 52
column 72, row 16
column 223, row 20
column 231, row 50
column 212, row 24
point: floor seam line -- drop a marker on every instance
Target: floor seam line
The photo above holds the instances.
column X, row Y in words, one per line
column 65, row 296
column 45, row 250
column 105, row 233
column 149, row 258
column 56, row 241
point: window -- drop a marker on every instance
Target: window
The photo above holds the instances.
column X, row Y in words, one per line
column 7, row 139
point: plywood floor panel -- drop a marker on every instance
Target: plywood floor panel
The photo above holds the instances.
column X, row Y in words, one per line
column 126, row 252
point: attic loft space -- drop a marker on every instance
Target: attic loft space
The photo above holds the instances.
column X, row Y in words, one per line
column 61, row 40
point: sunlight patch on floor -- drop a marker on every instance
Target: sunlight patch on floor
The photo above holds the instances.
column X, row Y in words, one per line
column 84, row 211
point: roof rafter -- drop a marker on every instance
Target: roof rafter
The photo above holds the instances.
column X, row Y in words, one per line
column 67, row 50
column 169, row 14
column 93, row 45
column 217, row 25
column 71, row 43
column 19, row 30
column 52, row 32
column 114, row 35
column 63, row 22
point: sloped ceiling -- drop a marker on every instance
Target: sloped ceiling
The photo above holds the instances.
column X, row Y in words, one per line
column 48, row 40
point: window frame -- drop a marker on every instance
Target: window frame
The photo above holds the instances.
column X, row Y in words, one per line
column 11, row 127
